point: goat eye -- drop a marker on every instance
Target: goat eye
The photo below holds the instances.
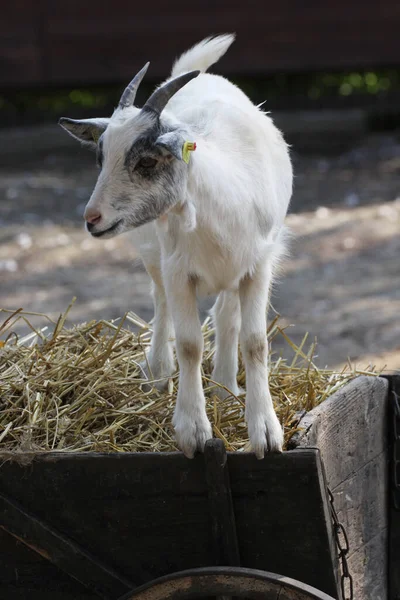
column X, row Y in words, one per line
column 147, row 162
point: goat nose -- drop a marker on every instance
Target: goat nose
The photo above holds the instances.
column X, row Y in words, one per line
column 92, row 216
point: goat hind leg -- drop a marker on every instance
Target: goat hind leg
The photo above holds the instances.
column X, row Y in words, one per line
column 160, row 362
column 226, row 317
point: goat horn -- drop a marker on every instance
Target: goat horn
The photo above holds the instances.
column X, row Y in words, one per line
column 128, row 97
column 159, row 98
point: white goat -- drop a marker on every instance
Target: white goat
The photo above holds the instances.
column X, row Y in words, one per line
column 213, row 224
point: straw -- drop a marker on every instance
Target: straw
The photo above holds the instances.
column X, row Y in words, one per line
column 81, row 388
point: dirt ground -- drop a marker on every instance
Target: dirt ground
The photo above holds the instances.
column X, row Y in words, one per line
column 341, row 283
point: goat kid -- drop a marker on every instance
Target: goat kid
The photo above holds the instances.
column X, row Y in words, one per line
column 211, row 224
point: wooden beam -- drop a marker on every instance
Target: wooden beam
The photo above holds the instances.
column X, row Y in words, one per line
column 61, row 551
column 226, row 548
column 350, row 429
column 394, row 491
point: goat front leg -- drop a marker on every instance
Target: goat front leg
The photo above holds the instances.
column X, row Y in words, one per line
column 192, row 427
column 265, row 431
column 160, row 362
column 226, row 317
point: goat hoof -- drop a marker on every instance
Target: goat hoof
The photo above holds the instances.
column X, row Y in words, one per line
column 266, row 435
column 145, row 374
column 191, row 433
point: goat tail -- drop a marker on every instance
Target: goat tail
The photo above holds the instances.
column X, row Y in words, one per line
column 203, row 55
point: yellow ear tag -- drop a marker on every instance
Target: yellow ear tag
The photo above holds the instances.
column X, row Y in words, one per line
column 187, row 148
column 95, row 135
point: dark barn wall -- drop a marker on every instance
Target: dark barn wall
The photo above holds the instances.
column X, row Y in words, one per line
column 86, row 41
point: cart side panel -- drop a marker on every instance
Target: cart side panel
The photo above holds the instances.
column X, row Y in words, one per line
column 148, row 515
column 142, row 515
column 25, row 575
column 282, row 517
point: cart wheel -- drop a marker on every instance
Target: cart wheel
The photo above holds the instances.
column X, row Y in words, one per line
column 225, row 581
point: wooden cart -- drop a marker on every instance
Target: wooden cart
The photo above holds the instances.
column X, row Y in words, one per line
column 148, row 526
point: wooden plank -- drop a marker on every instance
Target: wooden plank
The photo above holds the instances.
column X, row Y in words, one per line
column 282, row 516
column 20, row 50
column 88, row 42
column 143, row 515
column 394, row 493
column 350, row 429
column 147, row 515
column 25, row 575
column 263, row 46
column 226, row 549
column 377, row 563
column 61, row 551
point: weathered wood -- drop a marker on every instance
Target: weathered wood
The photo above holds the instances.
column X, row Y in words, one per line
column 84, row 42
column 61, row 551
column 394, row 495
column 226, row 549
column 25, row 575
column 21, row 44
column 350, row 429
column 143, row 515
column 282, row 516
column 147, row 515
column 223, row 581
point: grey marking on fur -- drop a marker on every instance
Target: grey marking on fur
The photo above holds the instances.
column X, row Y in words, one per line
column 99, row 153
column 121, row 202
column 145, row 212
column 144, row 146
column 165, row 191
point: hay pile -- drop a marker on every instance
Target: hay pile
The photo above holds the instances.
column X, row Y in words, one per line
column 79, row 389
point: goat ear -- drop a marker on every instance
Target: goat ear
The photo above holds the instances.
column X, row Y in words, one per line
column 87, row 131
column 172, row 142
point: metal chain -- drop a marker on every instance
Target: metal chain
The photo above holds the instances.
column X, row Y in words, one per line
column 342, row 542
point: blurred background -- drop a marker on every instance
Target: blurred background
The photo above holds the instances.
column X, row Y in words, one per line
column 330, row 75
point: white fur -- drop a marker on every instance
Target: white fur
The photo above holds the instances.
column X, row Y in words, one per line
column 225, row 237
column 203, row 55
